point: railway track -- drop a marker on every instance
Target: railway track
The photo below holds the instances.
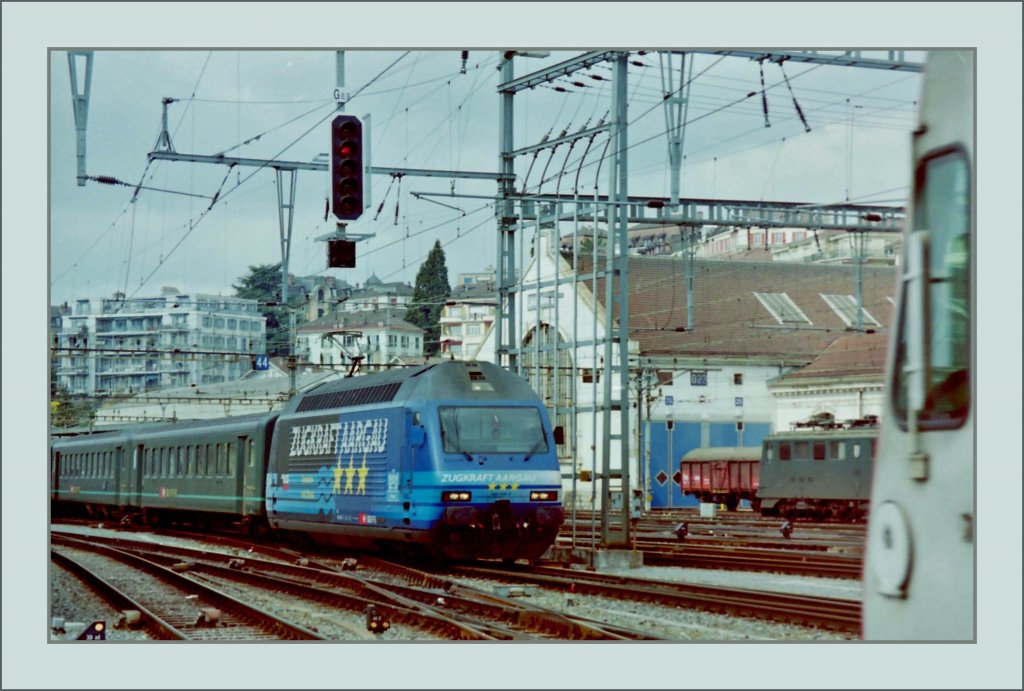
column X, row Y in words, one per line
column 730, row 556
column 743, row 530
column 736, row 558
column 409, row 597
column 435, row 604
column 829, row 613
column 170, row 605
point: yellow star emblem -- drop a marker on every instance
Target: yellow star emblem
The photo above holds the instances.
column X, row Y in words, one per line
column 515, row 485
column 363, row 470
column 350, row 473
column 492, row 486
column 338, row 472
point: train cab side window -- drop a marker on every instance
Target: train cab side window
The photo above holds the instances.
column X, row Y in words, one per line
column 801, row 450
column 819, row 451
column 768, row 449
column 856, row 449
column 942, row 207
column 836, row 451
column 785, row 451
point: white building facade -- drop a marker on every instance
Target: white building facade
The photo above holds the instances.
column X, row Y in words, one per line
column 465, row 321
column 378, row 338
column 704, row 383
column 117, row 346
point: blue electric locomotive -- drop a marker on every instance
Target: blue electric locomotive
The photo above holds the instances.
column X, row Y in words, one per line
column 456, row 459
column 459, row 457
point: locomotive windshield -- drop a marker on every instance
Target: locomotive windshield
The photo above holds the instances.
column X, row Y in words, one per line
column 492, row 430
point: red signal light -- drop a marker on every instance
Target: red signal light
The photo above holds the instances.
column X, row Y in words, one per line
column 347, row 199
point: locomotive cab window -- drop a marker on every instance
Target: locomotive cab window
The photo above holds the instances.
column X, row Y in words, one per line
column 942, row 209
column 801, row 450
column 492, row 430
column 836, row 451
column 785, row 451
column 819, row 451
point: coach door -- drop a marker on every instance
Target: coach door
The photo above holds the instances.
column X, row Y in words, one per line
column 54, row 474
column 135, row 477
column 118, row 470
column 243, row 472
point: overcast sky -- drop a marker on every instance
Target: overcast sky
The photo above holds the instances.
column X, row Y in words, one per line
column 424, row 114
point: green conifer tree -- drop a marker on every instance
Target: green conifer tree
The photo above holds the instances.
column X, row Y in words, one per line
column 428, row 296
column 263, row 283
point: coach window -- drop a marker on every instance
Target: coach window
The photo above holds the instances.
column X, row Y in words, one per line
column 232, row 449
column 221, row 459
column 785, row 452
column 172, row 461
column 819, row 451
column 250, row 452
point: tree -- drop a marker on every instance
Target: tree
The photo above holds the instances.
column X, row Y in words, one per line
column 263, row 284
column 429, row 294
column 66, row 411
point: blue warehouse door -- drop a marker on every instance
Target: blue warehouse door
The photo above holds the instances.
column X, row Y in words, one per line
column 726, row 434
column 667, row 446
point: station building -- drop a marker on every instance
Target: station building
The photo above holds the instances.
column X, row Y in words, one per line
column 697, row 380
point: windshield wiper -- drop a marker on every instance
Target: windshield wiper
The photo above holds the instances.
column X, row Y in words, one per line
column 457, row 442
column 536, row 446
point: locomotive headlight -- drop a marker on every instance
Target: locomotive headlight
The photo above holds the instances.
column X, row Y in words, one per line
column 456, row 496
column 543, row 496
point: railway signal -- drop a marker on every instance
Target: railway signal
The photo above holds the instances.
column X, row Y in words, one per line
column 347, row 167
column 375, row 621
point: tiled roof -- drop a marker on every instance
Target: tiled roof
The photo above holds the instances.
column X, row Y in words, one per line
column 856, row 355
column 729, row 320
column 376, row 319
column 474, row 292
